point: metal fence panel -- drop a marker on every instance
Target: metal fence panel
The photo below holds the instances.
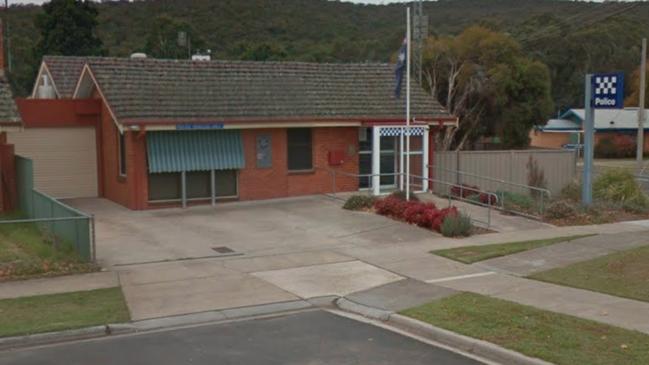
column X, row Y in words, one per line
column 25, row 184
column 559, row 167
column 54, row 219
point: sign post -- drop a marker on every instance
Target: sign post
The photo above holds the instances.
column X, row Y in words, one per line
column 603, row 91
column 589, row 137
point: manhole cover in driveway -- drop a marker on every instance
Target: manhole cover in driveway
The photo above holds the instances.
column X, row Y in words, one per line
column 223, row 249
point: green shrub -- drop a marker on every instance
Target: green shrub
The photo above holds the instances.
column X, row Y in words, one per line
column 516, row 201
column 401, row 195
column 572, row 192
column 359, row 202
column 535, row 177
column 456, row 225
column 561, row 209
column 618, row 186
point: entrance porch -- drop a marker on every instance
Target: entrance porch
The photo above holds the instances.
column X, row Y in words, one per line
column 383, row 158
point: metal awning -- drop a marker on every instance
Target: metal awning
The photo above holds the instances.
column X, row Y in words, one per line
column 176, row 151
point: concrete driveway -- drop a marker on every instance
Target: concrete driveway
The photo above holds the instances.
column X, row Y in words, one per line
column 126, row 237
column 275, row 251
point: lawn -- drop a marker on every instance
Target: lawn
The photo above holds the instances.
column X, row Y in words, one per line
column 471, row 254
column 623, row 274
column 46, row 313
column 26, row 252
column 553, row 337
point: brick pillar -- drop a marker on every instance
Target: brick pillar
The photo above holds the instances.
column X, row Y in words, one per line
column 8, row 193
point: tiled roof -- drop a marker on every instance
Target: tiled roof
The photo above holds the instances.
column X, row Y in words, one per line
column 182, row 90
column 8, row 110
column 65, row 72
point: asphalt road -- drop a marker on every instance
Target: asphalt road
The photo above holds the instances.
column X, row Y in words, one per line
column 306, row 338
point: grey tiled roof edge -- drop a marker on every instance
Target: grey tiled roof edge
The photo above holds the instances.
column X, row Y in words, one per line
column 8, row 111
column 178, row 90
column 65, row 72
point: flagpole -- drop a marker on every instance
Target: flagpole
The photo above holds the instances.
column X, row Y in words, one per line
column 408, row 103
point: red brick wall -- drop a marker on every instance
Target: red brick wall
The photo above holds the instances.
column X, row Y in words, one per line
column 131, row 190
column 254, row 183
column 277, row 181
column 7, row 175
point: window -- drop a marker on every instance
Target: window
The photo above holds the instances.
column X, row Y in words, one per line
column 165, row 186
column 168, row 186
column 122, row 154
column 199, row 184
column 300, row 154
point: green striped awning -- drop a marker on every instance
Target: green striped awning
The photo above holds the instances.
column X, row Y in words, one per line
column 175, row 151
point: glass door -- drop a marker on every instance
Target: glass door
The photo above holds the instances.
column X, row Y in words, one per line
column 388, row 160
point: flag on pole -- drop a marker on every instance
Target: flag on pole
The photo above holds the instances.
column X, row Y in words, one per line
column 401, row 66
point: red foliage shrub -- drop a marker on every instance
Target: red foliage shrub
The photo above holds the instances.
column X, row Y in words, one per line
column 488, row 199
column 391, row 206
column 419, row 213
column 626, row 145
column 424, row 215
column 464, row 190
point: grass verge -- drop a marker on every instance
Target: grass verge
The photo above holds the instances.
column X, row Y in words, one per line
column 471, row 254
column 623, row 274
column 553, row 337
column 26, row 252
column 57, row 312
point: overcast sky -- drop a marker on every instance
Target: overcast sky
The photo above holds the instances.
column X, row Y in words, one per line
column 355, row 1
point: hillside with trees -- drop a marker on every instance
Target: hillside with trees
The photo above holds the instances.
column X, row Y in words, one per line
column 569, row 37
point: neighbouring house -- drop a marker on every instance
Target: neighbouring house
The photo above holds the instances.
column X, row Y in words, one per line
column 617, row 125
column 149, row 133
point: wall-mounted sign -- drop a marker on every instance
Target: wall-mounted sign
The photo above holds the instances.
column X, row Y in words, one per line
column 264, row 151
column 192, row 126
column 608, row 91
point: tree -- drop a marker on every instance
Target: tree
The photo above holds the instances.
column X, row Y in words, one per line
column 68, row 27
column 171, row 38
column 483, row 77
column 633, row 99
column 262, row 52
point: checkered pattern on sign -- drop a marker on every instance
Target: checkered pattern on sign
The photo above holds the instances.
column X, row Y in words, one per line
column 606, row 85
column 397, row 131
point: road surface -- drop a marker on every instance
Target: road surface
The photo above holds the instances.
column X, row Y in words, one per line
column 306, row 338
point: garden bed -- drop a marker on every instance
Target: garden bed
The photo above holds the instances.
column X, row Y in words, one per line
column 448, row 221
column 25, row 252
column 617, row 198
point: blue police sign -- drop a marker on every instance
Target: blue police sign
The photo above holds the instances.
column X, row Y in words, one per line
column 608, row 91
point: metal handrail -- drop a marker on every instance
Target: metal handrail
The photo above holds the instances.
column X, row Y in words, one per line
column 543, row 192
column 449, row 196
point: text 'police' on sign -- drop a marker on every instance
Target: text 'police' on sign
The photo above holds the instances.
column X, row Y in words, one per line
column 608, row 91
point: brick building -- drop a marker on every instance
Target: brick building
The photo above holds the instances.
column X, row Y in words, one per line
column 10, row 122
column 179, row 132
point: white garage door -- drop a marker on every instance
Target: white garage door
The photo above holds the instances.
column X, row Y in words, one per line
column 65, row 159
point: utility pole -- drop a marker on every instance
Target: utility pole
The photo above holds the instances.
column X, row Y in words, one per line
column 589, row 138
column 641, row 106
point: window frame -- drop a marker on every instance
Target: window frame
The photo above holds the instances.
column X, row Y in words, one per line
column 121, row 154
column 288, row 150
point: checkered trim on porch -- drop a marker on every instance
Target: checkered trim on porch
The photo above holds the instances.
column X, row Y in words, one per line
column 397, row 131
